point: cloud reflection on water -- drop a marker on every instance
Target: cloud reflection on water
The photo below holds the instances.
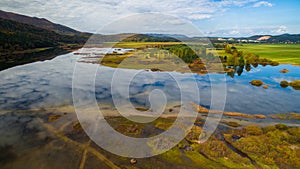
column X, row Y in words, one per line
column 49, row 83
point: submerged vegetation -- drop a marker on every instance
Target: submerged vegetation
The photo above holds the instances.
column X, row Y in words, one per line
column 286, row 116
column 257, row 82
column 54, row 117
column 232, row 124
column 294, row 84
column 204, row 110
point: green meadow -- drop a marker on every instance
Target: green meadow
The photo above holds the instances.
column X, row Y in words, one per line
column 282, row 53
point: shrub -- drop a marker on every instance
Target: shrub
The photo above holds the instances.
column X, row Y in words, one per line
column 281, row 126
column 254, row 130
column 284, row 84
column 295, row 135
column 274, row 63
column 269, row 128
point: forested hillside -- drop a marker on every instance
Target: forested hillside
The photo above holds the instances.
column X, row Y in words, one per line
column 15, row 36
column 41, row 23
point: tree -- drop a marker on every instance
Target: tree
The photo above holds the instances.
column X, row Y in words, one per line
column 227, row 48
column 230, row 61
column 241, row 61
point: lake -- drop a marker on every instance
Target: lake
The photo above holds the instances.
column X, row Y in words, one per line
column 49, row 83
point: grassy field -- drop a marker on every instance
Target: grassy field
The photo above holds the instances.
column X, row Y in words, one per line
column 222, row 53
column 283, row 53
column 133, row 60
column 142, row 59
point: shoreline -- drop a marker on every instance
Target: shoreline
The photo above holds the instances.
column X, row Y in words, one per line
column 242, row 119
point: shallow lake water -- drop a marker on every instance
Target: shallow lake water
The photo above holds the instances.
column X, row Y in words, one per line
column 49, row 83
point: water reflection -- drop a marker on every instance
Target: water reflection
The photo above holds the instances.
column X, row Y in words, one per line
column 49, row 83
column 11, row 60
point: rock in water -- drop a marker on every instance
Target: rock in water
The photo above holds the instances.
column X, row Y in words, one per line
column 265, row 86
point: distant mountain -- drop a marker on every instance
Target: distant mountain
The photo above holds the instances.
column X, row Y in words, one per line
column 41, row 23
column 284, row 38
column 150, row 38
column 255, row 37
column 295, row 38
column 130, row 37
column 177, row 36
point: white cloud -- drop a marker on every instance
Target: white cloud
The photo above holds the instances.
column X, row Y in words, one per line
column 262, row 3
column 244, row 32
column 91, row 15
column 234, row 32
column 151, row 23
column 235, row 2
column 282, row 29
column 199, row 16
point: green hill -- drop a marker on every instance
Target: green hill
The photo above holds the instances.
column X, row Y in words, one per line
column 16, row 36
column 41, row 23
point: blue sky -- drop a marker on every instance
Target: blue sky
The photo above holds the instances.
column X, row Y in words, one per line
column 212, row 17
